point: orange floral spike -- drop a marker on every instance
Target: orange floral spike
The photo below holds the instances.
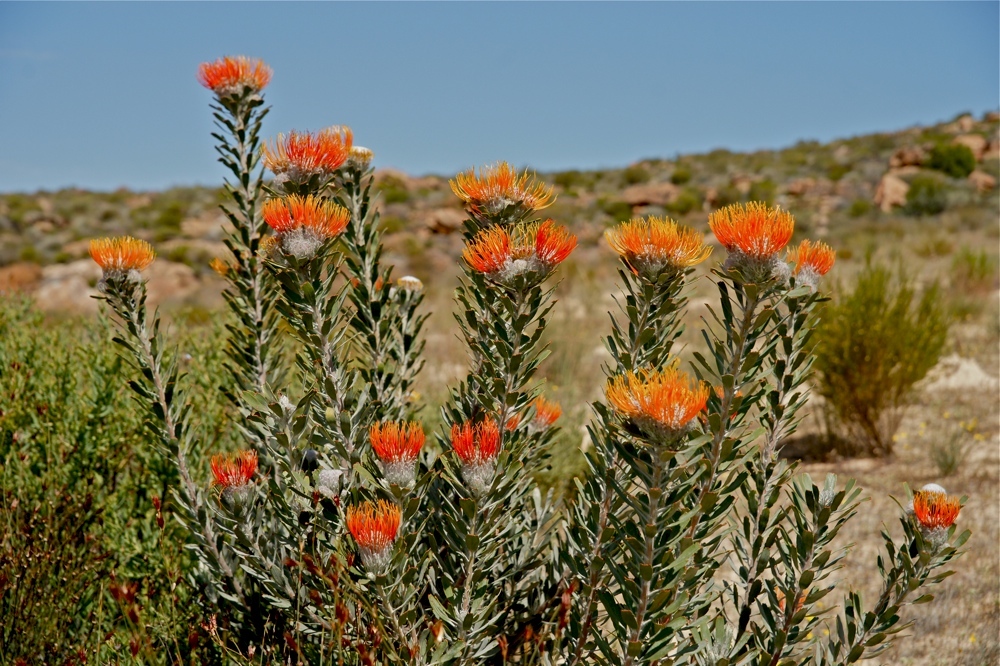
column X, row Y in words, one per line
column 935, row 510
column 553, row 244
column 655, row 244
column 231, row 75
column 754, row 229
column 477, row 447
column 662, row 403
column 489, row 251
column 234, row 471
column 395, row 441
column 812, row 260
column 374, row 527
column 303, row 224
column 303, row 154
column 546, row 413
column 122, row 254
column 498, row 188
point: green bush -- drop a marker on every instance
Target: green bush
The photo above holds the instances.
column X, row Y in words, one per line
column 635, row 174
column 874, row 344
column 763, row 190
column 974, row 271
column 859, row 208
column 688, row 200
column 953, row 159
column 927, row 196
column 681, row 175
column 618, row 210
column 836, row 171
column 569, row 179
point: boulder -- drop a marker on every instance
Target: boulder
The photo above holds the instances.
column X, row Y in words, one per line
column 992, row 150
column 650, row 194
column 976, row 143
column 907, row 156
column 891, row 192
column 983, row 181
column 69, row 287
column 800, row 186
column 442, row 220
column 170, row 281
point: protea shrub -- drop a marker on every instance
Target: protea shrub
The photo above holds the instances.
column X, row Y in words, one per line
column 363, row 543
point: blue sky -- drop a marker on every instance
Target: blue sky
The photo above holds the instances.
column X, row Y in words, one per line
column 103, row 95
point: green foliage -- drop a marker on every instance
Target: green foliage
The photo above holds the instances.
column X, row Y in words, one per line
column 635, row 174
column 875, row 343
column 688, row 200
column 727, row 195
column 927, row 196
column 571, row 179
column 619, row 211
column 952, row 159
column 836, row 171
column 392, row 225
column 974, row 272
column 394, row 190
column 763, row 190
column 948, row 453
column 681, row 175
column 859, row 208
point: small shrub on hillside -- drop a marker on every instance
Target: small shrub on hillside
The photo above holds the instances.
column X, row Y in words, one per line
column 836, row 171
column 949, row 452
column 874, row 344
column 635, row 174
column 974, row 271
column 619, row 211
column 726, row 196
column 935, row 247
column 859, row 208
column 927, row 196
column 688, row 200
column 570, row 179
column 763, row 190
column 952, row 159
column 681, row 175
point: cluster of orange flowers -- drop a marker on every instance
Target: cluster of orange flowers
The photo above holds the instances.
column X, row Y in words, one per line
column 119, row 256
column 234, row 75
column 499, row 194
column 303, row 154
column 662, row 403
column 397, row 445
column 504, row 254
column 374, row 526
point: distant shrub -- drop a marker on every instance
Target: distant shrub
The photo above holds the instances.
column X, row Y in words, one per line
column 688, row 200
column 390, row 224
column 619, row 211
column 30, row 253
column 935, row 247
column 927, row 196
column 763, row 190
column 170, row 218
column 859, row 208
column 681, row 175
column 953, row 159
column 727, row 196
column 394, row 191
column 178, row 254
column 874, row 344
column 836, row 171
column 635, row 174
column 948, row 454
column 974, row 271
column 568, row 179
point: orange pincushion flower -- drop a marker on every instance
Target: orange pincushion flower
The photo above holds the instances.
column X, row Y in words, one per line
column 504, row 254
column 935, row 510
column 322, row 217
column 476, row 444
column 374, row 527
column 230, row 75
column 220, row 266
column 553, row 243
column 546, row 412
column 653, row 244
column 304, row 154
column 395, row 441
column 663, row 403
column 121, row 254
column 234, row 471
column 753, row 229
column 498, row 187
column 814, row 258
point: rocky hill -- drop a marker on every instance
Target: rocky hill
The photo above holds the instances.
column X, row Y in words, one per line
column 834, row 189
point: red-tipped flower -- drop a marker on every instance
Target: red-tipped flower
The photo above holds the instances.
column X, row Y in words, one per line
column 812, row 261
column 663, row 403
column 499, row 194
column 653, row 245
column 303, row 224
column 935, row 511
column 546, row 413
column 232, row 75
column 397, row 445
column 122, row 254
column 234, row 471
column 753, row 229
column 504, row 254
column 477, row 447
column 303, row 154
column 374, row 527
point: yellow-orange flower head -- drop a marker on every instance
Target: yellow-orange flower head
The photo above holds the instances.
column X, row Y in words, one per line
column 498, row 194
column 753, row 229
column 812, row 261
column 121, row 259
column 504, row 254
column 934, row 510
column 477, row 447
column 234, row 473
column 397, row 445
column 301, row 155
column 663, row 404
column 303, row 224
column 657, row 244
column 374, row 526
column 546, row 413
column 234, row 75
